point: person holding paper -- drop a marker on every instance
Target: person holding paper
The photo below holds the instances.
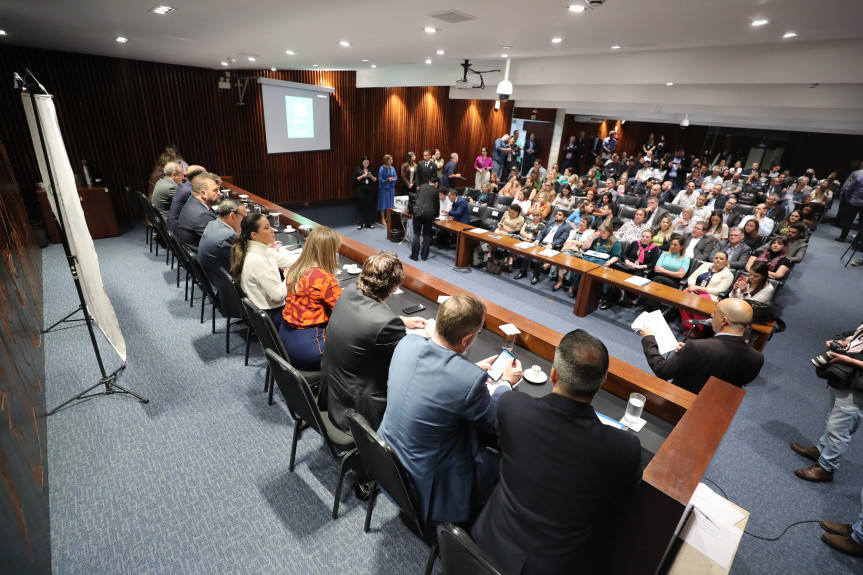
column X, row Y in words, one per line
column 565, row 477
column 552, row 236
column 726, row 355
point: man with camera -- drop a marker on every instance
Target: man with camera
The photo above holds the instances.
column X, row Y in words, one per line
column 842, row 367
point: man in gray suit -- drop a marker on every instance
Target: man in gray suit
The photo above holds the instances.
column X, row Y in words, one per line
column 214, row 251
column 797, row 244
column 737, row 251
column 698, row 245
column 437, row 401
column 166, row 187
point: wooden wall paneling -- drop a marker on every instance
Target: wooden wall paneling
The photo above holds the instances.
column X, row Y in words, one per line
column 542, row 114
column 26, row 535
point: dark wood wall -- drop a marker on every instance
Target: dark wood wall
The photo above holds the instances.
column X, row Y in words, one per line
column 25, row 535
column 121, row 113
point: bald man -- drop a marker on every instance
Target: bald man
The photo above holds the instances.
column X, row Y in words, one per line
column 184, row 190
column 726, row 355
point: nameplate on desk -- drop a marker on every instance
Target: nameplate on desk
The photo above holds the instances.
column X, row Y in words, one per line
column 549, row 253
column 594, row 254
column 478, row 231
column 609, row 421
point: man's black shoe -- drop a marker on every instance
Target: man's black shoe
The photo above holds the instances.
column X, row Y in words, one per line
column 534, row 280
column 519, row 275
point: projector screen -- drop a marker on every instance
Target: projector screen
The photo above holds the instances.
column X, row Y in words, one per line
column 296, row 116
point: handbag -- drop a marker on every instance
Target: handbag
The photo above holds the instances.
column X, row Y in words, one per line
column 494, row 265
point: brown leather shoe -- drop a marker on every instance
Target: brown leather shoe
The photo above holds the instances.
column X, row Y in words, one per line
column 844, row 544
column 807, row 452
column 814, row 473
column 842, row 529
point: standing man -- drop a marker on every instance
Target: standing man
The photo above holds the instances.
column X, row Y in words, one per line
column 499, row 154
column 565, row 476
column 198, row 211
column 512, row 159
column 678, row 167
column 166, row 187
column 595, row 147
column 851, row 202
column 449, row 171
column 426, row 169
column 426, row 210
column 609, row 144
column 214, row 251
column 437, row 401
column 726, row 355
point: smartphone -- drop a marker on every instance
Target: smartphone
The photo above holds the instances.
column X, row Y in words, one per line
column 504, row 359
column 413, row 308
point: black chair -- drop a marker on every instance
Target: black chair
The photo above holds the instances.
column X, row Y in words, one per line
column 627, row 200
column 266, row 333
column 304, row 411
column 234, row 295
column 477, row 213
column 626, row 212
column 182, row 260
column 491, row 218
column 743, row 210
column 503, row 201
column 472, row 193
column 694, row 264
column 387, row 472
column 673, row 209
column 459, row 555
column 159, row 227
column 199, row 277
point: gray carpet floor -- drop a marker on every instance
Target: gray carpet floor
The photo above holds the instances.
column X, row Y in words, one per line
column 196, row 481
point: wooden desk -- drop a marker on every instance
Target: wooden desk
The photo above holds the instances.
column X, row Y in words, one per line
column 98, row 211
column 671, row 477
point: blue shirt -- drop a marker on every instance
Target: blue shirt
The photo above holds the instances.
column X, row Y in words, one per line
column 459, row 211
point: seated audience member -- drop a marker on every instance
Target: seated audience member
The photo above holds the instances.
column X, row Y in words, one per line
column 512, row 184
column 687, row 196
column 494, row 182
column 361, row 337
column 672, row 264
column 166, row 187
column 726, row 355
column 734, row 247
column 603, row 242
column 159, row 170
column 551, row 236
column 698, row 245
column 587, row 471
column 533, row 225
column 700, row 211
column 565, row 199
column 709, row 280
column 631, row 231
column 729, row 216
column 184, row 192
column 214, row 251
column 782, row 227
column 652, row 212
column 573, row 246
column 775, row 255
column 755, row 286
column 751, row 237
column 257, row 266
column 662, row 234
column 775, row 210
column 541, row 206
column 765, row 224
column 484, row 194
column 198, row 211
column 312, row 293
column 822, row 194
column 606, row 214
column 445, row 204
column 715, row 228
column 684, row 224
column 459, row 211
column 511, row 222
column 522, row 201
column 638, row 259
column 437, row 401
column 797, row 244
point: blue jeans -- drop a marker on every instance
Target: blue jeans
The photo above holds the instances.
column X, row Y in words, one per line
column 857, row 534
column 843, row 419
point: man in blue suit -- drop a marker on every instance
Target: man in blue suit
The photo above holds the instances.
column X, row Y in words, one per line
column 437, row 401
column 214, row 251
column 552, row 236
column 459, row 210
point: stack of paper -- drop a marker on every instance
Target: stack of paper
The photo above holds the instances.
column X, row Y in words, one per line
column 549, row 253
column 711, row 527
column 524, row 245
column 478, row 231
column 656, row 323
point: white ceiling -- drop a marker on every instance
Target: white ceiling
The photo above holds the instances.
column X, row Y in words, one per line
column 706, row 47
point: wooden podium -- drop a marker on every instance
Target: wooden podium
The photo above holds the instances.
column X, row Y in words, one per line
column 98, row 211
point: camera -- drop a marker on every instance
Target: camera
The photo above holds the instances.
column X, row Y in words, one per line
column 504, row 90
column 823, row 359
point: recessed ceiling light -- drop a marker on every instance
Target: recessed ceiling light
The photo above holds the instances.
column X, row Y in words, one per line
column 2, row 32
column 790, row 35
column 556, row 40
column 161, row 10
column 290, row 52
column 344, row 43
column 314, row 65
column 577, row 8
column 760, row 22
column 669, row 83
column 121, row 39
column 506, row 47
column 504, row 55
column 428, row 60
column 615, row 47
column 374, row 65
column 366, row 60
column 251, row 58
column 224, row 63
column 430, row 30
column 272, row 69
column 440, row 52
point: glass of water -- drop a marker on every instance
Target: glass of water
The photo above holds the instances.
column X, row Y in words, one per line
column 634, row 407
column 508, row 342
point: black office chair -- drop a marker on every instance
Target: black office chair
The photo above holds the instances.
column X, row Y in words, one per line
column 626, row 213
column 743, row 210
column 199, row 277
column 182, row 260
column 159, row 227
column 266, row 332
column 503, row 202
column 628, row 200
column 673, row 209
column 491, row 218
column 234, row 294
column 477, row 213
column 459, row 555
column 305, row 413
column 472, row 193
column 383, row 465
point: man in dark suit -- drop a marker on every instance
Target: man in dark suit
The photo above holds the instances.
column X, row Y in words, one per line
column 198, row 211
column 552, row 236
column 737, row 251
column 426, row 169
column 726, row 355
column 698, row 245
column 166, row 187
column 214, row 251
column 184, row 192
column 437, row 401
column 459, row 210
column 775, row 209
column 565, row 476
column 362, row 335
column 595, row 147
column 677, row 168
column 730, row 217
column 449, row 172
column 426, row 210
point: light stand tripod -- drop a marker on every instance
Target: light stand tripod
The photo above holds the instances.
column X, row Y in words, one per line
column 109, row 380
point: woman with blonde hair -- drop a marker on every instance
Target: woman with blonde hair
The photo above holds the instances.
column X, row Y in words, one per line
column 312, row 291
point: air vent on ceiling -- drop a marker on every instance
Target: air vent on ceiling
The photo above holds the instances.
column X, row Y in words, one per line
column 452, row 16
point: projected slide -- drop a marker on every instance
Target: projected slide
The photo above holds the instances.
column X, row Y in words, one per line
column 300, row 116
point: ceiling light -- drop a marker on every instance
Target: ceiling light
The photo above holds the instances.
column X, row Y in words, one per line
column 760, row 22
column 2, row 32
column 161, row 10
column 251, row 58
column 428, row 60
column 374, row 65
column 366, row 60
column 121, row 39
column 506, row 47
column 290, row 52
column 669, row 83
column 556, row 40
column 430, row 30
column 344, row 43
column 504, row 55
column 440, row 52
column 577, row 8
column 615, row 47
column 314, row 65
column 272, row 69
column 224, row 63
column 790, row 35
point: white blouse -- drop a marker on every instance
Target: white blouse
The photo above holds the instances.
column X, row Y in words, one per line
column 260, row 280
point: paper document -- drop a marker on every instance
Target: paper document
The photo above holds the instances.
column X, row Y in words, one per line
column 398, row 291
column 716, row 508
column 664, row 337
column 638, row 281
column 430, row 323
column 599, row 255
column 610, row 422
column 523, row 245
column 549, row 253
column 478, row 231
column 634, row 426
column 442, row 298
column 509, row 329
column 717, row 544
